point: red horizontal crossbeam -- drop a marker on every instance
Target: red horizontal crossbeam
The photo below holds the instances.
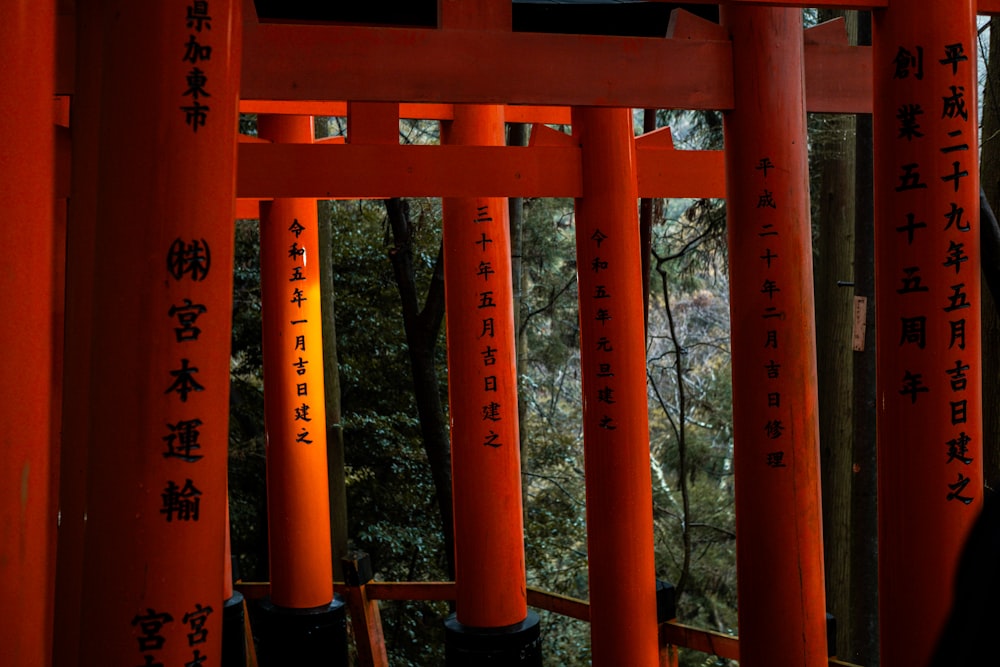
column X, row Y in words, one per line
column 311, row 62
column 513, row 114
column 706, row 641
column 673, row 173
column 330, row 172
column 320, row 62
column 360, row 171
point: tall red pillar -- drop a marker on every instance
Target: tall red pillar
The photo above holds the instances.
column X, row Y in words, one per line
column 927, row 291
column 615, row 415
column 27, row 515
column 304, row 622
column 779, row 548
column 159, row 379
column 482, row 385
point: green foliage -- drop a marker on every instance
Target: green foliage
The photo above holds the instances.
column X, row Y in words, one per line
column 391, row 502
column 390, row 494
column 690, row 416
column 247, row 502
column 392, row 510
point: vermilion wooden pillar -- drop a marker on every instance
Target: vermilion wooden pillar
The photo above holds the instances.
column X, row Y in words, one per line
column 159, row 383
column 300, row 558
column 482, row 384
column 615, row 416
column 298, row 504
column 779, row 549
column 27, row 515
column 928, row 299
column 482, row 387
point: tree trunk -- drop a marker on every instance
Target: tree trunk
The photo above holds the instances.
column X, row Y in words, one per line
column 834, row 157
column 989, row 171
column 423, row 327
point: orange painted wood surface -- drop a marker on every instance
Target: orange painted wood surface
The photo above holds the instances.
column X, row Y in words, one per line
column 373, row 123
column 160, row 340
column 615, row 416
column 312, row 64
column 248, row 209
column 286, row 62
column 412, row 590
column 410, row 171
column 27, row 336
column 927, row 286
column 513, row 113
column 673, row 173
column 779, row 549
column 406, row 171
column 227, row 562
column 366, row 623
column 482, row 392
column 366, row 619
column 298, row 509
column 712, row 643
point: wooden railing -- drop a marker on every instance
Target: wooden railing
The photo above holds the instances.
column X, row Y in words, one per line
column 672, row 633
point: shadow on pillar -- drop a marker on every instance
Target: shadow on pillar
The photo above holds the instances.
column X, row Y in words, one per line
column 311, row 637
column 234, row 637
column 512, row 645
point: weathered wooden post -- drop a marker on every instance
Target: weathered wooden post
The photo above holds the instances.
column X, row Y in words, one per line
column 779, row 552
column 927, row 290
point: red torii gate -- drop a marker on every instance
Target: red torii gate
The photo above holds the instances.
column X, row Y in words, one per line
column 922, row 198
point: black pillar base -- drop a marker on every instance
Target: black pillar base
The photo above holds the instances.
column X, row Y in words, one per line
column 313, row 637
column 831, row 635
column 518, row 644
column 234, row 636
column 666, row 601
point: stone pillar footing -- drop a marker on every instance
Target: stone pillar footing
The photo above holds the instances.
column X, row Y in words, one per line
column 234, row 637
column 518, row 644
column 311, row 637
